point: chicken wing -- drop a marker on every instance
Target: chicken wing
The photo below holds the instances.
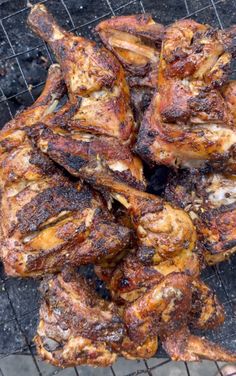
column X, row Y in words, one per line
column 189, row 123
column 210, row 200
column 164, row 310
column 98, row 124
column 136, row 42
column 182, row 345
column 168, row 303
column 76, row 326
column 206, row 311
column 163, row 231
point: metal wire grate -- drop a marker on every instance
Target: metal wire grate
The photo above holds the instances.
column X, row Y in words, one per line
column 19, row 88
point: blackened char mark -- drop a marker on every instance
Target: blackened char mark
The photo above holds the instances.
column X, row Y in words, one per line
column 49, row 203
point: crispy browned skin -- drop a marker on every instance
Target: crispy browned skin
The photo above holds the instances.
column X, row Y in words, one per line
column 163, row 230
column 92, row 75
column 206, row 311
column 182, row 345
column 130, row 279
column 136, row 42
column 48, row 221
column 76, row 326
column 164, row 305
column 188, row 123
column 86, row 155
column 171, row 304
column 94, row 129
column 211, row 202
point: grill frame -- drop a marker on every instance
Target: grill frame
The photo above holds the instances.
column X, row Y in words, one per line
column 20, row 322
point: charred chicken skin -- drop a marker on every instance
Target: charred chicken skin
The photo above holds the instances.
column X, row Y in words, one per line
column 78, row 327
column 97, row 125
column 46, row 220
column 163, row 231
column 49, row 222
column 210, row 200
column 189, row 122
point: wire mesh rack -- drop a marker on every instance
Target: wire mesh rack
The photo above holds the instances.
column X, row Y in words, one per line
column 23, row 66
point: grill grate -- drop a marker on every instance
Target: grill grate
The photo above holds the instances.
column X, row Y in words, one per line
column 19, row 298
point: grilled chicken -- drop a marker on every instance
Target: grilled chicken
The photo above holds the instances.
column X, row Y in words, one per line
column 88, row 155
column 165, row 305
column 130, row 278
column 163, row 231
column 206, row 311
column 210, row 200
column 136, row 41
column 78, row 327
column 189, row 123
column 46, row 220
column 182, row 345
column 167, row 308
column 98, row 124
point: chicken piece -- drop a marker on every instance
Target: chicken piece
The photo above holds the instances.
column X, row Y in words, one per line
column 86, row 155
column 76, row 326
column 93, row 77
column 164, row 311
column 163, row 231
column 210, row 200
column 188, row 123
column 166, row 304
column 136, row 42
column 130, row 278
column 166, row 243
column 182, row 345
column 206, row 311
column 96, row 126
column 48, row 221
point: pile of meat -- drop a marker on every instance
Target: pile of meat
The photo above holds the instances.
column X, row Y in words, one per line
column 73, row 189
